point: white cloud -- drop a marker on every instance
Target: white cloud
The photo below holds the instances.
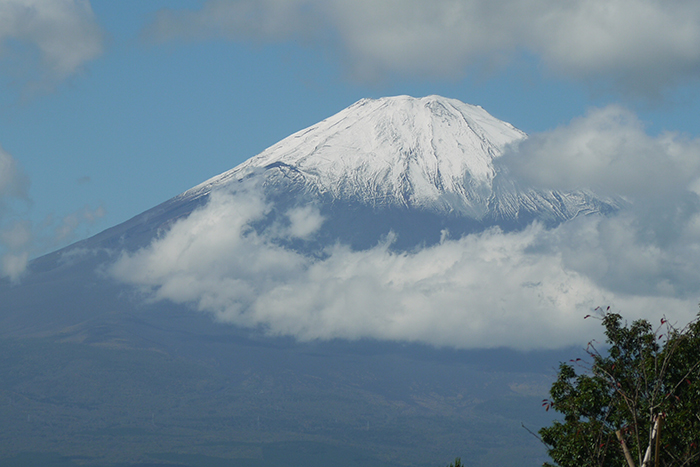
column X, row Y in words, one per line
column 63, row 33
column 527, row 289
column 14, row 265
column 304, row 222
column 608, row 150
column 639, row 46
column 13, row 181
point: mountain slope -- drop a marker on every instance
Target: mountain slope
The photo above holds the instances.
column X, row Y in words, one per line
column 99, row 372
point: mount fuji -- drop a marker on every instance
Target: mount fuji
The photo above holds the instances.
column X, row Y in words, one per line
column 432, row 154
column 416, row 167
column 134, row 375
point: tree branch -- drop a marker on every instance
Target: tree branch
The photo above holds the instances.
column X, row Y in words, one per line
column 625, row 449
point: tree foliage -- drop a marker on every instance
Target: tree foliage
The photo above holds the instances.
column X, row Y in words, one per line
column 611, row 405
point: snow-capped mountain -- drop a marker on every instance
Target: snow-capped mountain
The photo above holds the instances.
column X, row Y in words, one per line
column 414, row 166
column 431, row 153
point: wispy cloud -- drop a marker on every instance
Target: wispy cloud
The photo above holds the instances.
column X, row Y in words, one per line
column 65, row 228
column 47, row 42
column 13, row 180
column 638, row 47
column 20, row 239
column 14, row 235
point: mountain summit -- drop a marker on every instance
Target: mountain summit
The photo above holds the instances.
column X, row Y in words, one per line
column 397, row 151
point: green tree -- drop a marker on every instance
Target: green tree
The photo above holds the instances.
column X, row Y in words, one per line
column 647, row 383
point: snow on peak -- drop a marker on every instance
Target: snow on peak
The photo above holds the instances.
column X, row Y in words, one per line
column 404, row 150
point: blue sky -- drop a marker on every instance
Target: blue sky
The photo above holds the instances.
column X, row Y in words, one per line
column 108, row 108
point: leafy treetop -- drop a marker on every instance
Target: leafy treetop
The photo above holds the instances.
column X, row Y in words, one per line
column 638, row 405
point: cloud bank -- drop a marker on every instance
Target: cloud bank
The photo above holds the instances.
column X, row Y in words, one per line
column 526, row 289
column 47, row 42
column 636, row 46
